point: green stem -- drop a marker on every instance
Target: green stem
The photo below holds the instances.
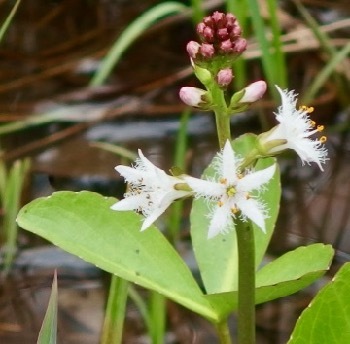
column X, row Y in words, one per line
column 115, row 313
column 221, row 116
column 158, row 317
column 246, row 283
column 224, row 333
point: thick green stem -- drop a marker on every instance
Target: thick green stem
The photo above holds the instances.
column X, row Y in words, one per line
column 221, row 116
column 223, row 333
column 246, row 283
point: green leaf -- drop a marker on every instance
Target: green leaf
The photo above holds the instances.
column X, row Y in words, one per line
column 83, row 224
column 284, row 276
column 217, row 257
column 327, row 318
column 48, row 331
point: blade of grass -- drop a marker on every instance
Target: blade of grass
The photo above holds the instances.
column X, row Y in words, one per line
column 325, row 43
column 279, row 56
column 175, row 215
column 197, row 11
column 112, row 331
column 157, row 307
column 8, row 20
column 11, row 203
column 239, row 8
column 130, row 34
column 267, row 57
column 118, row 150
column 325, row 73
column 48, row 331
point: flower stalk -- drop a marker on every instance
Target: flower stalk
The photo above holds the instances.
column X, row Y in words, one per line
column 246, row 283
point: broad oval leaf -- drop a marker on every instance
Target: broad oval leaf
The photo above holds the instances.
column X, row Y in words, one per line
column 83, row 224
column 286, row 275
column 327, row 318
column 218, row 257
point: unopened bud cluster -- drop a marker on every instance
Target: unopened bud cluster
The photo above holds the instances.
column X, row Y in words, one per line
column 220, row 35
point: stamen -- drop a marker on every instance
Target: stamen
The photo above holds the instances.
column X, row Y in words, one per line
column 223, row 180
column 247, row 196
column 239, row 175
column 220, row 203
column 234, row 210
column 320, row 128
column 313, row 123
column 307, row 109
column 323, row 139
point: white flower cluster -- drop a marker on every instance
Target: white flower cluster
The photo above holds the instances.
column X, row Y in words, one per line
column 232, row 192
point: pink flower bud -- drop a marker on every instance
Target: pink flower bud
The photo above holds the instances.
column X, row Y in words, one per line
column 222, row 33
column 192, row 49
column 192, row 96
column 253, row 92
column 208, row 34
column 224, row 77
column 226, row 46
column 240, row 45
column 207, row 50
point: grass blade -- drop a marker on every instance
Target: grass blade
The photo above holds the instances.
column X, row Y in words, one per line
column 130, row 34
column 48, row 331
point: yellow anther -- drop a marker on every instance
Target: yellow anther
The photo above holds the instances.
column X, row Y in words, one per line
column 323, row 139
column 247, row 196
column 239, row 175
column 234, row 210
column 312, row 123
column 320, row 127
column 220, row 204
column 223, row 180
column 305, row 108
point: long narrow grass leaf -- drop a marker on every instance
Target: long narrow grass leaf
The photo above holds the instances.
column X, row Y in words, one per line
column 48, row 331
column 8, row 20
column 325, row 73
column 279, row 56
column 112, row 331
column 260, row 32
column 130, row 34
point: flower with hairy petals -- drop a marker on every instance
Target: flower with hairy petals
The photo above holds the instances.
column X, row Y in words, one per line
column 151, row 190
column 232, row 192
column 293, row 132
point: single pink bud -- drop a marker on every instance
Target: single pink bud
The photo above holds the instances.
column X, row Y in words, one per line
column 192, row 49
column 231, row 20
column 226, row 46
column 200, row 28
column 208, row 34
column 222, row 33
column 208, row 21
column 192, row 96
column 224, row 77
column 219, row 18
column 207, row 50
column 254, row 92
column 240, row 45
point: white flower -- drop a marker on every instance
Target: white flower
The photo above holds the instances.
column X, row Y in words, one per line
column 294, row 130
column 151, row 190
column 231, row 192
